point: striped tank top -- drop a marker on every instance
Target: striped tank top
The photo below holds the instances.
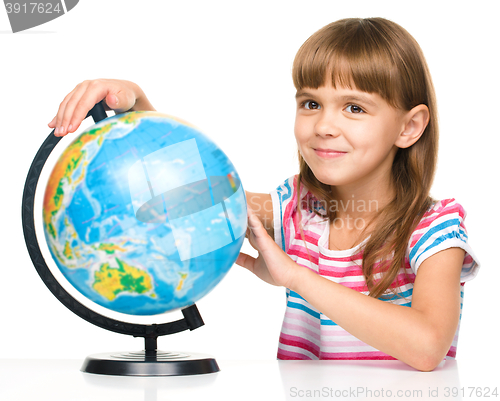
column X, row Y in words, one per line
column 306, row 332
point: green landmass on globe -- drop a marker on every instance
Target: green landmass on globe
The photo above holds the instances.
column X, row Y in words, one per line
column 110, row 281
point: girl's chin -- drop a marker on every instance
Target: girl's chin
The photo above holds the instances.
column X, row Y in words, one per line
column 326, row 179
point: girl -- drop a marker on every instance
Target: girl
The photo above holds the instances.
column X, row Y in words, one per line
column 374, row 267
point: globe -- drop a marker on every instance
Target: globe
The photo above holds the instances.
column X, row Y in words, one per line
column 143, row 214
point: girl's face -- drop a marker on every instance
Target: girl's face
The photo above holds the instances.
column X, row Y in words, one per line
column 361, row 125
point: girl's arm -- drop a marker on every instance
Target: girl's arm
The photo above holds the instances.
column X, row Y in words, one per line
column 118, row 95
column 262, row 207
column 419, row 336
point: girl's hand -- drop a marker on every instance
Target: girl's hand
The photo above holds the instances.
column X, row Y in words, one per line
column 118, row 95
column 272, row 265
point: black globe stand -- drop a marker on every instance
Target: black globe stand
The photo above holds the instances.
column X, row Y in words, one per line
column 150, row 361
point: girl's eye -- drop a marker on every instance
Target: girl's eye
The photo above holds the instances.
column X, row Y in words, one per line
column 352, row 108
column 311, row 105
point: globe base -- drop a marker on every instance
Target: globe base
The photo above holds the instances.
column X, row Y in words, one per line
column 149, row 363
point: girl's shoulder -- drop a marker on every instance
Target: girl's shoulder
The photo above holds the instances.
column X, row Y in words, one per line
column 441, row 227
column 442, row 210
column 442, row 217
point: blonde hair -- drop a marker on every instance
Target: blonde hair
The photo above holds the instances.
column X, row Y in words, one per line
column 376, row 55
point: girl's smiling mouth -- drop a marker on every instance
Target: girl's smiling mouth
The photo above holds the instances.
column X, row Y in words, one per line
column 328, row 153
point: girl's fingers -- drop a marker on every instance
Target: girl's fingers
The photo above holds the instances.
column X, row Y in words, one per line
column 255, row 266
column 121, row 98
column 245, row 261
column 253, row 221
column 67, row 108
column 81, row 103
column 118, row 96
column 52, row 122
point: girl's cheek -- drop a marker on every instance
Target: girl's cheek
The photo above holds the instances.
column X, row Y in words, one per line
column 300, row 130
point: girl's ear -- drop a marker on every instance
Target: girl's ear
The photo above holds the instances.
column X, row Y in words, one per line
column 416, row 121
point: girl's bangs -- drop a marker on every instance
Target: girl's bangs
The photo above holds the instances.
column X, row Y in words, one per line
column 349, row 60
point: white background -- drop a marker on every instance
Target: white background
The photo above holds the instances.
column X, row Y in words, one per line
column 225, row 67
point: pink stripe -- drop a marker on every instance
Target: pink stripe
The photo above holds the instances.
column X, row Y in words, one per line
column 305, row 236
column 309, row 236
column 440, row 206
column 357, row 256
column 359, row 286
column 403, row 279
column 295, row 341
column 339, row 271
column 301, row 318
column 289, row 355
column 303, row 331
column 425, row 222
column 356, row 355
column 301, row 252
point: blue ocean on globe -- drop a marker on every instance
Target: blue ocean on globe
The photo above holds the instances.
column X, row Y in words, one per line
column 143, row 214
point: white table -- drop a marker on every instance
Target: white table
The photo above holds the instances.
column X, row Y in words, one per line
column 55, row 380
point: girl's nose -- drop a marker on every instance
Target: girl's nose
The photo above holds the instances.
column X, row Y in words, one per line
column 326, row 126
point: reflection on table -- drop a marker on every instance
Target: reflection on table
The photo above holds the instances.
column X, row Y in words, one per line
column 62, row 380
